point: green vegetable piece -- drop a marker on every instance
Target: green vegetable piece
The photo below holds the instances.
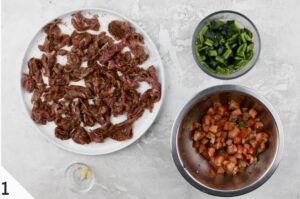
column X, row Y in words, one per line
column 215, row 24
column 209, row 42
column 232, row 26
column 243, row 37
column 232, row 38
column 241, row 50
column 222, row 40
column 227, row 46
column 202, row 32
column 202, row 48
column 212, row 53
column 249, row 55
column 201, row 58
column 220, row 60
column 233, row 45
column 237, row 58
column 248, row 32
column 247, row 37
column 242, row 63
column 250, row 47
column 220, row 70
column 227, row 53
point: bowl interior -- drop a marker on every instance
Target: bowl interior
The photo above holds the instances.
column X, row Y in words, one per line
column 243, row 22
column 197, row 167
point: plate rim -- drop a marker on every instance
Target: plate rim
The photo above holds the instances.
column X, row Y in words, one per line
column 162, row 81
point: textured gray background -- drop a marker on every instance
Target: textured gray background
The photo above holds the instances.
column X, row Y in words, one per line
column 145, row 169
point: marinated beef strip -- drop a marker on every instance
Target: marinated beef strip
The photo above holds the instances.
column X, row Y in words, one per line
column 111, row 79
column 82, row 23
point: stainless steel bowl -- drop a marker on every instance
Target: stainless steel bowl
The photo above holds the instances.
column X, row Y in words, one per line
column 242, row 21
column 195, row 169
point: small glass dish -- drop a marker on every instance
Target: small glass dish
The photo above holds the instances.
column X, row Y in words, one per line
column 79, row 177
column 243, row 22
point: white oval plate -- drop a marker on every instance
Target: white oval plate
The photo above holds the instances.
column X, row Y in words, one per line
column 139, row 127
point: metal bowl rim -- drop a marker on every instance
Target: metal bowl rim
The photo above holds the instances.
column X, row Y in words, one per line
column 218, row 192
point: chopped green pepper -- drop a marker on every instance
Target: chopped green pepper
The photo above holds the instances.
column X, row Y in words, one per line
column 223, row 47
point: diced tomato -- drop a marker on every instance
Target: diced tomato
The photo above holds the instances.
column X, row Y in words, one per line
column 240, row 148
column 242, row 163
column 211, row 152
column 205, row 154
column 244, row 133
column 251, row 150
column 261, row 147
column 233, row 105
column 221, row 110
column 247, row 146
column 229, row 137
column 211, row 111
column 237, row 140
column 232, row 159
column 236, row 112
column 230, row 166
column 228, row 126
column 231, row 149
column 250, row 123
column 198, row 135
column 258, row 125
column 217, row 105
column 224, row 134
column 217, row 117
column 211, row 137
column 262, row 137
column 204, row 141
column 229, row 142
column 233, row 133
column 218, row 145
column 252, row 112
column 220, row 123
column 250, row 158
column 205, row 127
column 239, row 156
column 219, row 160
column 253, row 143
column 207, row 119
column 213, row 128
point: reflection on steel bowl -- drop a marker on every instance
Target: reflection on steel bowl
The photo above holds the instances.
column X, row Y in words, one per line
column 195, row 168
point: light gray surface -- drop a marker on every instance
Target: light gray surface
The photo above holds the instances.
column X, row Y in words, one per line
column 146, row 169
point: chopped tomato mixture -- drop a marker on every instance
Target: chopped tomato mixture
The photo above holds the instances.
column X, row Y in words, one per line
column 229, row 137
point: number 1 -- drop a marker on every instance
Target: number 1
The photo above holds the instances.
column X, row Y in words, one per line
column 5, row 188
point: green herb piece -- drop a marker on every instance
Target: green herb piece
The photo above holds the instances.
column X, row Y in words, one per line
column 233, row 120
column 223, row 153
column 245, row 116
column 241, row 124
